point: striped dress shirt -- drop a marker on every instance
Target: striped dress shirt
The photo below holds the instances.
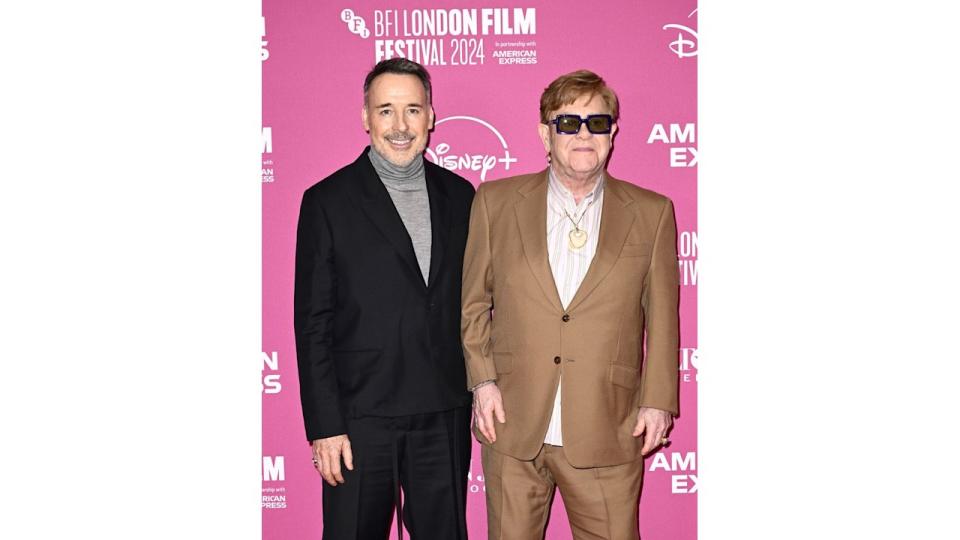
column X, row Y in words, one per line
column 569, row 266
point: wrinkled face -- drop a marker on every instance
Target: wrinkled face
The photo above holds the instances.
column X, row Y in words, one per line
column 398, row 117
column 581, row 156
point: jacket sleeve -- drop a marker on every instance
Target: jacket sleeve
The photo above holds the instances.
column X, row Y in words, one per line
column 315, row 284
column 660, row 303
column 477, row 295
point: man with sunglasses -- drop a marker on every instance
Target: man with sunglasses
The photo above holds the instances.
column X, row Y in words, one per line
column 570, row 326
column 376, row 317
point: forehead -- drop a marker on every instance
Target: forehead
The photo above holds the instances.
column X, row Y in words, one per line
column 393, row 88
column 585, row 104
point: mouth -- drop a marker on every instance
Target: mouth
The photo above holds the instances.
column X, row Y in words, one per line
column 400, row 143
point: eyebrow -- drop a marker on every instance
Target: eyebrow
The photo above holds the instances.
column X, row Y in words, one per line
column 384, row 105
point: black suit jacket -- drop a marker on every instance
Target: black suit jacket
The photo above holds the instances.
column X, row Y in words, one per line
column 372, row 338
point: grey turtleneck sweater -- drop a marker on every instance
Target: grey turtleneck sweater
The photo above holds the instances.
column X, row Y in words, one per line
column 407, row 187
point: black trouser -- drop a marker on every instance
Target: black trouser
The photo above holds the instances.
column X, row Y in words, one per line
column 425, row 455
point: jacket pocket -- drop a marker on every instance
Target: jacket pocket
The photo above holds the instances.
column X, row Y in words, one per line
column 636, row 250
column 624, row 376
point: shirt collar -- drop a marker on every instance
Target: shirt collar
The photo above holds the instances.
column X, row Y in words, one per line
column 560, row 191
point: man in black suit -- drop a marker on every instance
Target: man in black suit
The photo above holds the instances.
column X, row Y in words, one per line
column 377, row 322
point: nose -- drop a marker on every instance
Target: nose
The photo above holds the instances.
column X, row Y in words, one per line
column 583, row 132
column 401, row 122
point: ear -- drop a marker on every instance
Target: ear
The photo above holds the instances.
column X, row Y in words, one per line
column 613, row 131
column 433, row 117
column 365, row 118
column 544, row 130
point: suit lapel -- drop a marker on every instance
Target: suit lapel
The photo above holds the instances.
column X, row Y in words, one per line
column 615, row 224
column 376, row 203
column 440, row 220
column 531, row 212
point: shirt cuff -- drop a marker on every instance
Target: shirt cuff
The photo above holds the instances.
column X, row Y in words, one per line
column 484, row 383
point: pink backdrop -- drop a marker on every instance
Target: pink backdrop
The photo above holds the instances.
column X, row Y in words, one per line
column 487, row 77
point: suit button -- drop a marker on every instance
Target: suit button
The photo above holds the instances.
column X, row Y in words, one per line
column 556, row 359
column 566, row 317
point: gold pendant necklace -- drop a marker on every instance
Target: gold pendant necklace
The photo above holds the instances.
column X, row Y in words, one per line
column 578, row 236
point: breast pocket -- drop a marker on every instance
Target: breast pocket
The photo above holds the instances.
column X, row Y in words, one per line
column 642, row 249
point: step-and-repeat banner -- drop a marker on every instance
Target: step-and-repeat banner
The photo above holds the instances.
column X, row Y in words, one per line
column 489, row 62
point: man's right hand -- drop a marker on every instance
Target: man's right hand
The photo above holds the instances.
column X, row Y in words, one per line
column 487, row 402
column 327, row 453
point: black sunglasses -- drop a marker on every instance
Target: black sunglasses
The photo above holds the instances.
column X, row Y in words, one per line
column 569, row 124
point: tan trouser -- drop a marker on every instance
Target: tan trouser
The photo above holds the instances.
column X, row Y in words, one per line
column 601, row 502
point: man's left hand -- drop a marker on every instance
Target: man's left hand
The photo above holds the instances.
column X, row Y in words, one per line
column 654, row 423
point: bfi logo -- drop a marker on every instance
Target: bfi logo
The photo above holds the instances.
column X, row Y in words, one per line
column 684, row 462
column 680, row 156
column 355, row 23
column 271, row 381
column 273, row 470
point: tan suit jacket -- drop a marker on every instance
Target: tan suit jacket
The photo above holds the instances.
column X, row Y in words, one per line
column 596, row 343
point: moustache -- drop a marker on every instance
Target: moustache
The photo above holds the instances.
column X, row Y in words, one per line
column 400, row 136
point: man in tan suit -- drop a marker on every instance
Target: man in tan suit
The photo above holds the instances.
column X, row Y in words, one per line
column 581, row 270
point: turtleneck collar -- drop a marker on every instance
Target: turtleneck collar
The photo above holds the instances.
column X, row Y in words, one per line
column 393, row 174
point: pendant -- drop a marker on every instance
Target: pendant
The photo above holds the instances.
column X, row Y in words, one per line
column 578, row 239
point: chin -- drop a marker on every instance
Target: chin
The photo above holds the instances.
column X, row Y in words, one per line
column 401, row 160
column 400, row 157
column 587, row 169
